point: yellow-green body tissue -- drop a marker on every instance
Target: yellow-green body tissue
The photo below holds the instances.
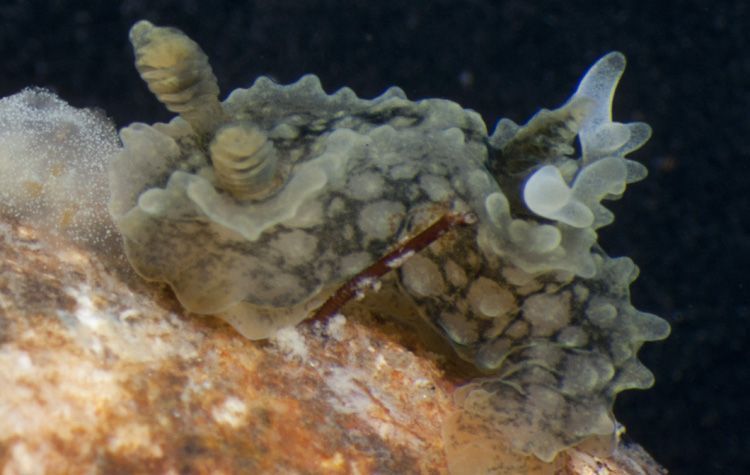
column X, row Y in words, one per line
column 256, row 209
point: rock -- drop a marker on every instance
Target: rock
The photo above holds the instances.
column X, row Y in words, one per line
column 103, row 373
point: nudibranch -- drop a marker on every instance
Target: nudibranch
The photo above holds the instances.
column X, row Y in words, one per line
column 258, row 208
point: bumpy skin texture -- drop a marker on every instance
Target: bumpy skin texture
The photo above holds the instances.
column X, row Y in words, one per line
column 525, row 293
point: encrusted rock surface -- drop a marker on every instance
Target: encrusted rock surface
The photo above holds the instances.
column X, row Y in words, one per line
column 102, row 373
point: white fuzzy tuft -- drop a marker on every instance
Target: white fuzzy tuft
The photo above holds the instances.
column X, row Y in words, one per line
column 53, row 161
column 291, row 343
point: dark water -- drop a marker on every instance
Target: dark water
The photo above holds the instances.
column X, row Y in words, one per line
column 687, row 225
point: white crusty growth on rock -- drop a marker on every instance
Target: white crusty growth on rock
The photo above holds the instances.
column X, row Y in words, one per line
column 524, row 292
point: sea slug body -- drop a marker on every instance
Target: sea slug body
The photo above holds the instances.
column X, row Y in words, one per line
column 258, row 208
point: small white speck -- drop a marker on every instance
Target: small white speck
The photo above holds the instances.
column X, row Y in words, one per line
column 129, row 314
column 231, row 412
column 365, row 283
column 291, row 343
column 85, row 311
column 335, row 327
column 380, row 362
column 398, row 261
column 23, row 361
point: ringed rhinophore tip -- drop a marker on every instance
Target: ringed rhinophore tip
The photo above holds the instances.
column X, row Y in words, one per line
column 177, row 72
column 245, row 161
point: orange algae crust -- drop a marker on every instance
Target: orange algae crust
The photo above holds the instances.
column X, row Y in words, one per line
column 102, row 373
column 104, row 376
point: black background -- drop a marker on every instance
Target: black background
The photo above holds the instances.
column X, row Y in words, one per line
column 687, row 225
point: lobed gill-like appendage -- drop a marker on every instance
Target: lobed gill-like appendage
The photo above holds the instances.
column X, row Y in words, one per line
column 177, row 71
column 602, row 171
column 531, row 299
